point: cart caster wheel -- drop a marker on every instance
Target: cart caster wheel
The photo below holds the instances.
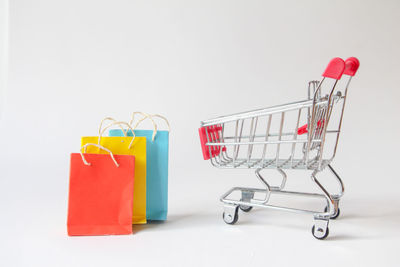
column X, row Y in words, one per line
column 245, row 208
column 320, row 233
column 229, row 218
column 335, row 215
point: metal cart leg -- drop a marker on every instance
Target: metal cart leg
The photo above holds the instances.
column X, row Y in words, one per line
column 320, row 228
column 336, row 198
column 336, row 207
column 268, row 188
column 339, row 180
column 273, row 188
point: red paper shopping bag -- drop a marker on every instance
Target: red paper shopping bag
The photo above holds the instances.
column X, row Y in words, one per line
column 100, row 193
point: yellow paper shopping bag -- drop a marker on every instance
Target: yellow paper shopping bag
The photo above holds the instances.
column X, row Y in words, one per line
column 135, row 146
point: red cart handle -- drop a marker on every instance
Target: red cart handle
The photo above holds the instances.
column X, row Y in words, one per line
column 352, row 65
column 334, row 69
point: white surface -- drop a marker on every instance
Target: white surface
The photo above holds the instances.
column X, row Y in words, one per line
column 73, row 62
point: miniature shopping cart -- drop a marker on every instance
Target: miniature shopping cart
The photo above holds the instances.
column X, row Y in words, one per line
column 274, row 138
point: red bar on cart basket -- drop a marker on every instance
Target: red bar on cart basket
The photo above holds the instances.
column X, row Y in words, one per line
column 303, row 129
column 214, row 133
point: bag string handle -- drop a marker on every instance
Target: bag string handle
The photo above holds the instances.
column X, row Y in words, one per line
column 163, row 118
column 113, row 120
column 141, row 113
column 100, row 147
column 145, row 115
column 118, row 123
column 149, row 116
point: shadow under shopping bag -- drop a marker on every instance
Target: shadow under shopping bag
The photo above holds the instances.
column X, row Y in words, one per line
column 156, row 173
column 100, row 194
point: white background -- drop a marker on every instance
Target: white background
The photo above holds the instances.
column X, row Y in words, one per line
column 71, row 63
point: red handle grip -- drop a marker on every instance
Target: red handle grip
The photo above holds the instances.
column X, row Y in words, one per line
column 352, row 65
column 334, row 69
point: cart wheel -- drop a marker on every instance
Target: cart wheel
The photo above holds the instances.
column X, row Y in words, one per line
column 321, row 233
column 335, row 215
column 229, row 219
column 245, row 208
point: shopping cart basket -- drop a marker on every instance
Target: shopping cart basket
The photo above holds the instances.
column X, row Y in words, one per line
column 273, row 138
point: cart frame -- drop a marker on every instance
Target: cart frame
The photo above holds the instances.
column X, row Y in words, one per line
column 223, row 148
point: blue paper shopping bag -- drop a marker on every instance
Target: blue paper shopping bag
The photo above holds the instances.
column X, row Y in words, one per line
column 156, row 172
